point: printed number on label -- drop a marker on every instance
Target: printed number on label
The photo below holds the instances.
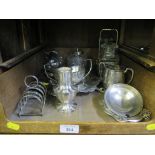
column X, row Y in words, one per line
column 69, row 128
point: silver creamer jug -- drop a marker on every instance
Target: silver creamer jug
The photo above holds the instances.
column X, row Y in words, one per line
column 114, row 74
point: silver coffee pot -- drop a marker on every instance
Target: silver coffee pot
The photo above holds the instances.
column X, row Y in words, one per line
column 77, row 62
column 114, row 74
column 65, row 91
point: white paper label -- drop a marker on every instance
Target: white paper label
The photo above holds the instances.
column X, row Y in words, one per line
column 69, row 128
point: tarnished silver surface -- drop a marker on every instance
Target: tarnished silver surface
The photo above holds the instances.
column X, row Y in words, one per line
column 114, row 74
column 78, row 72
column 144, row 115
column 65, row 92
column 123, row 100
column 77, row 62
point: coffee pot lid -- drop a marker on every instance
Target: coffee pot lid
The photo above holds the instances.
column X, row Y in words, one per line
column 76, row 58
column 78, row 52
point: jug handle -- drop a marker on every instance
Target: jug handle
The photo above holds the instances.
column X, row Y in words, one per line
column 132, row 74
column 49, row 76
column 100, row 72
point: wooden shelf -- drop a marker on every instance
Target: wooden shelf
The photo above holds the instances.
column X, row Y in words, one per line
column 89, row 116
column 89, row 109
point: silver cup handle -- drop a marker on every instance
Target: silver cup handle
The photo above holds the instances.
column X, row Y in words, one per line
column 132, row 74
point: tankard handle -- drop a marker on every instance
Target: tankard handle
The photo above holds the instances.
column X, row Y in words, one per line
column 132, row 74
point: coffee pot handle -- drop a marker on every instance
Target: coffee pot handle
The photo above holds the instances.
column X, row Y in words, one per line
column 90, row 60
column 132, row 74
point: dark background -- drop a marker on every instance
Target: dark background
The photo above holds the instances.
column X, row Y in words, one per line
column 18, row 36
